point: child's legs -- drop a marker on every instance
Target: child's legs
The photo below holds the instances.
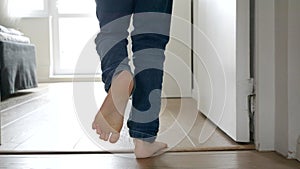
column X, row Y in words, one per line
column 111, row 42
column 146, row 97
column 149, row 39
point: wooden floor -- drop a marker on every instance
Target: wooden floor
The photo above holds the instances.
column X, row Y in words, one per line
column 196, row 160
column 41, row 130
column 49, row 121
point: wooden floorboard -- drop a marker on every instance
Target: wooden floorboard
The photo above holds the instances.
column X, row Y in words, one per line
column 44, row 133
column 196, row 160
column 47, row 122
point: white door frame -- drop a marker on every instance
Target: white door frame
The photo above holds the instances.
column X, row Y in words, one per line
column 265, row 75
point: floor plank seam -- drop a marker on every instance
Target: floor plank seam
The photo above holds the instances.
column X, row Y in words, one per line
column 23, row 116
column 22, row 103
column 107, row 152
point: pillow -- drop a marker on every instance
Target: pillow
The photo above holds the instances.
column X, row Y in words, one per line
column 3, row 29
column 11, row 31
column 14, row 32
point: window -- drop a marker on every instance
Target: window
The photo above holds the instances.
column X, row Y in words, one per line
column 27, row 8
column 76, row 6
column 75, row 26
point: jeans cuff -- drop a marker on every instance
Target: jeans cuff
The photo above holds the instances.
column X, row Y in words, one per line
column 143, row 131
column 142, row 136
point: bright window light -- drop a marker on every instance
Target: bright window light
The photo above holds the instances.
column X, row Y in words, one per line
column 74, row 35
column 21, row 8
column 76, row 6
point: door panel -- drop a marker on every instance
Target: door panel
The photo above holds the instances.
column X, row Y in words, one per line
column 221, row 61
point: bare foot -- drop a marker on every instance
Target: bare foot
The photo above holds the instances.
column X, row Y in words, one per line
column 109, row 119
column 145, row 149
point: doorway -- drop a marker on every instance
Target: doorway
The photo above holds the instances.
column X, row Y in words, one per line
column 203, row 102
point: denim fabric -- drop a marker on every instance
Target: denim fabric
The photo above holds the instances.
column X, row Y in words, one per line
column 151, row 21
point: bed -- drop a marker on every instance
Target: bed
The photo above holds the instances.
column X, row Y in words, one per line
column 17, row 62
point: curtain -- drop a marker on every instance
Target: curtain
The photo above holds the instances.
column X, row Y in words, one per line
column 5, row 19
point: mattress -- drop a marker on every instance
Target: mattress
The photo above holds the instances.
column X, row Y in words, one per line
column 17, row 67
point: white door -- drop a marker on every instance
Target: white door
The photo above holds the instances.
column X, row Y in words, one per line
column 177, row 77
column 221, row 60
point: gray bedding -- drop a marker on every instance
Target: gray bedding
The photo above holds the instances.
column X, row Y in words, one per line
column 17, row 67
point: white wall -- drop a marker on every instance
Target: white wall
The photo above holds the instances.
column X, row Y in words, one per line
column 277, row 75
column 177, row 78
column 265, row 75
column 287, row 82
column 39, row 32
column 293, row 75
column 281, row 76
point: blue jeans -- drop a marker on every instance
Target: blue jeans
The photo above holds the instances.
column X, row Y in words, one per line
column 151, row 21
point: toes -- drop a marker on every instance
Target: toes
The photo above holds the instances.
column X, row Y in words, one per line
column 94, row 126
column 114, row 137
column 104, row 136
column 98, row 130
